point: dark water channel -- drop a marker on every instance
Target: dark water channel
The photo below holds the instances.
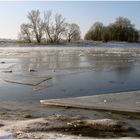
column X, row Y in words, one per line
column 73, row 74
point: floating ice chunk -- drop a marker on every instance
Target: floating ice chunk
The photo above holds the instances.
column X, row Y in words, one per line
column 6, row 135
column 81, row 54
column 105, row 101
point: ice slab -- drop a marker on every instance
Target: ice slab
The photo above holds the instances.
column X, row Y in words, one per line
column 27, row 80
column 6, row 66
column 123, row 101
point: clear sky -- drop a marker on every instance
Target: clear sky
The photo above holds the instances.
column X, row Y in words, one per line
column 84, row 13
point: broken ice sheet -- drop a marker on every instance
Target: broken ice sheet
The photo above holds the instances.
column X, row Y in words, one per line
column 27, row 80
column 41, row 87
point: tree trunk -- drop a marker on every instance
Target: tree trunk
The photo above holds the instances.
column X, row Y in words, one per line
column 38, row 38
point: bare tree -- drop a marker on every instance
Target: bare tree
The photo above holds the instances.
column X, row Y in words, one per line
column 51, row 28
column 25, row 33
column 72, row 32
column 48, row 26
column 54, row 29
column 36, row 24
column 59, row 28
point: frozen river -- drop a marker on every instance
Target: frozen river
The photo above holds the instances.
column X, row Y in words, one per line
column 33, row 74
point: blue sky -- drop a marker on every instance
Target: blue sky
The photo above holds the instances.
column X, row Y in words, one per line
column 84, row 13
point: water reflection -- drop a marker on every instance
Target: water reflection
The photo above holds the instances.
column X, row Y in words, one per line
column 124, row 71
column 46, row 62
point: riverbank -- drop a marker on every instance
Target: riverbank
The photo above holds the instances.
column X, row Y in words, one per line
column 37, row 121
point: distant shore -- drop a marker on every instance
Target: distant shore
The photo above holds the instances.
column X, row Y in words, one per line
column 82, row 43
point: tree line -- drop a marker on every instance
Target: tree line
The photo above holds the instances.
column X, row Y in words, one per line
column 54, row 29
column 48, row 28
column 121, row 30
